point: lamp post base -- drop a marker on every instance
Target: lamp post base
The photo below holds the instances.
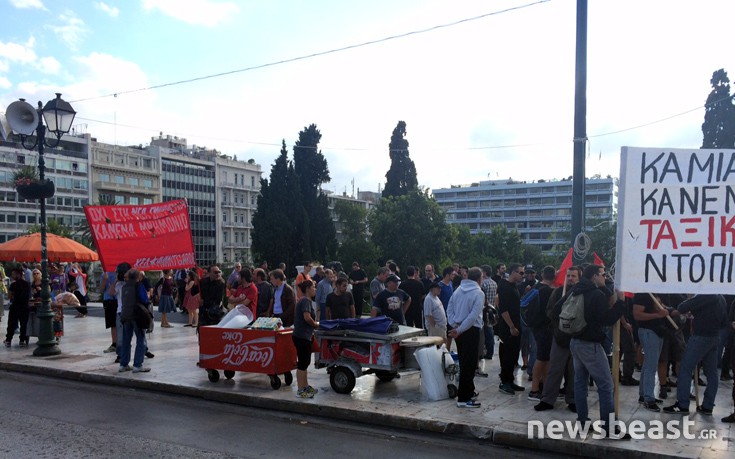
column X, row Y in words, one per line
column 47, row 350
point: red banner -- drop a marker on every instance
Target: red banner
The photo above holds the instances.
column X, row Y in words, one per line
column 150, row 237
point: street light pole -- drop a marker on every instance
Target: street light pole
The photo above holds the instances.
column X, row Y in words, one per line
column 59, row 116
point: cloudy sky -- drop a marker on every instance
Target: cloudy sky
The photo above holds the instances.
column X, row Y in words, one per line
column 486, row 88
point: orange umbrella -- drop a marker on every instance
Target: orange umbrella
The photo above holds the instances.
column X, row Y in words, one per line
column 28, row 248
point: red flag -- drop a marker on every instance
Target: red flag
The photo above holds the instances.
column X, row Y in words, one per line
column 562, row 273
column 597, row 260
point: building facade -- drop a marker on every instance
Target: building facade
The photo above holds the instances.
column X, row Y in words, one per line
column 67, row 166
column 238, row 186
column 333, row 199
column 541, row 212
column 124, row 175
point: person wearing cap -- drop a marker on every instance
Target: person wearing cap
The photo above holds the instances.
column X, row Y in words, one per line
column 434, row 314
column 392, row 302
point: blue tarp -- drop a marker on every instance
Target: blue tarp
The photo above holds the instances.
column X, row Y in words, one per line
column 378, row 325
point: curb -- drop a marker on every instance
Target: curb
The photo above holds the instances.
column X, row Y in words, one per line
column 508, row 434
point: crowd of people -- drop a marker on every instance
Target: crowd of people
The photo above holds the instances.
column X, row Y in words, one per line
column 561, row 334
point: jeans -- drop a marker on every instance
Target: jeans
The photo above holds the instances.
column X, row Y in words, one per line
column 651, row 344
column 489, row 341
column 130, row 329
column 702, row 348
column 528, row 347
column 590, row 359
column 560, row 366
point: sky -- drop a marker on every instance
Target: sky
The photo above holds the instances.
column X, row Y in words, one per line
column 486, row 88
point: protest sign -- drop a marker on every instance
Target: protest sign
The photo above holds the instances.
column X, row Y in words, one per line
column 676, row 229
column 154, row 236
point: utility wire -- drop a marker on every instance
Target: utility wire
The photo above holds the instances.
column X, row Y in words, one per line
column 321, row 53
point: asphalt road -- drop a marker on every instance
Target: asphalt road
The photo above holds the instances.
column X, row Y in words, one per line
column 50, row 418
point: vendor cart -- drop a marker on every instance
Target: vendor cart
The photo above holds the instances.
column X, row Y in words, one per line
column 349, row 354
column 57, row 323
column 269, row 352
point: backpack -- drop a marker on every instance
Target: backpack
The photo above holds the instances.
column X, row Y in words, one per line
column 529, row 307
column 571, row 318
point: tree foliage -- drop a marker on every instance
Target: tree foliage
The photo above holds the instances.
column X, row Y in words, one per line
column 411, row 229
column 52, row 227
column 274, row 233
column 356, row 244
column 718, row 128
column 318, row 235
column 401, row 177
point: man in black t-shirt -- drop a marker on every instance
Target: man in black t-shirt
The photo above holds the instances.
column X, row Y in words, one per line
column 508, row 328
column 265, row 292
column 340, row 304
column 358, row 281
column 19, row 293
column 415, row 289
column 392, row 302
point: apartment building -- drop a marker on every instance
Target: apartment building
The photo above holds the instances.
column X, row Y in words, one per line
column 67, row 165
column 540, row 211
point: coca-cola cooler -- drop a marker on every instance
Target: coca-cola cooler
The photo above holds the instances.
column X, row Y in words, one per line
column 269, row 352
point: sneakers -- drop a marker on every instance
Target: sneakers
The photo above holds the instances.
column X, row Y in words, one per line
column 7, row 343
column 516, row 387
column 703, row 410
column 729, row 419
column 481, row 373
column 651, row 406
column 304, row 393
column 311, row 390
column 149, row 354
column 641, row 400
column 629, row 381
column 23, row 344
column 117, row 360
column 141, row 369
column 543, row 406
column 112, row 348
column 469, row 404
column 675, row 408
column 167, row 326
column 534, row 395
column 124, row 368
column 506, row 389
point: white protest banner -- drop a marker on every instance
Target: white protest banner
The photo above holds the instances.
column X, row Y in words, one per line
column 676, row 228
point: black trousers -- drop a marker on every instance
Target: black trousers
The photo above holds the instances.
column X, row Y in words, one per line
column 414, row 316
column 17, row 314
column 468, row 344
column 509, row 349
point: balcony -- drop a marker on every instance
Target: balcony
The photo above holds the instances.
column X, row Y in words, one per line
column 125, row 188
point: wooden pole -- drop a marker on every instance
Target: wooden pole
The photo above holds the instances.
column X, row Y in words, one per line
column 696, row 384
column 661, row 306
column 616, row 364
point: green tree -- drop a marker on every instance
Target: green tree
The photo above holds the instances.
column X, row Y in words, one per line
column 52, row 227
column 401, row 177
column 356, row 244
column 274, row 234
column 411, row 229
column 718, row 128
column 318, row 237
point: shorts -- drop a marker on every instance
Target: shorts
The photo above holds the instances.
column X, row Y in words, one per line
column 303, row 352
column 673, row 348
column 110, row 307
column 543, row 337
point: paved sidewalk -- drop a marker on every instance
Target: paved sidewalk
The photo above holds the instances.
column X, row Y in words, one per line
column 502, row 418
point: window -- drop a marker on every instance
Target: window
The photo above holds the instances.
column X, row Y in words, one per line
column 134, row 200
column 119, row 199
column 105, row 197
column 119, row 179
column 147, row 201
column 148, row 183
column 252, row 181
column 133, row 181
column 104, row 177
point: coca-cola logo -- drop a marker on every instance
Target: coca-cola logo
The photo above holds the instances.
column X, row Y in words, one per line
column 257, row 351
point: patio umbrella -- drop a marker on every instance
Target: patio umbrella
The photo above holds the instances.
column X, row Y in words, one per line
column 28, row 248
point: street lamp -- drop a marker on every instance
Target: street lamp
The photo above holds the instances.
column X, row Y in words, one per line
column 24, row 120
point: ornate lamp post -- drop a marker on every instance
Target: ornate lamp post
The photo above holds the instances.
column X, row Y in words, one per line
column 24, row 120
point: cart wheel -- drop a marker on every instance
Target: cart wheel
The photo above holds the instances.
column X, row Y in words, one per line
column 288, row 378
column 275, row 382
column 213, row 375
column 386, row 376
column 452, row 390
column 342, row 380
column 229, row 374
